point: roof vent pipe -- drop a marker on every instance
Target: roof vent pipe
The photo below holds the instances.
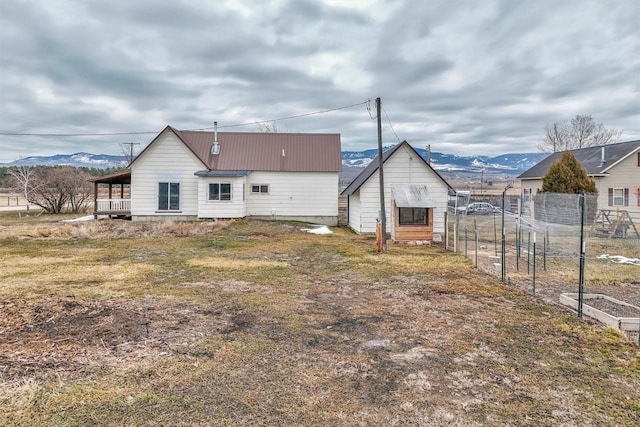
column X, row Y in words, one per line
column 602, row 160
column 215, row 148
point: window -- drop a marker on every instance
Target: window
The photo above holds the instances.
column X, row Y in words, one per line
column 259, row 188
column 219, row 191
column 168, row 196
column 618, row 197
column 413, row 216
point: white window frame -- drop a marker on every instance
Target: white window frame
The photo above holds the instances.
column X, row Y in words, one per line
column 618, row 200
column 169, row 194
column 220, row 199
column 261, row 187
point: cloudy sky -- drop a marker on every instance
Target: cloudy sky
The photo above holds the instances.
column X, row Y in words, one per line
column 466, row 76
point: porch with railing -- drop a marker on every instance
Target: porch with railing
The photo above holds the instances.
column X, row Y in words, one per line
column 110, row 186
column 113, row 207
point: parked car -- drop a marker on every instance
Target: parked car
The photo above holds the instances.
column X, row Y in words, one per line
column 482, row 208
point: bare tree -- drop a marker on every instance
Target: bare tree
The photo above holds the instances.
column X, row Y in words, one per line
column 23, row 177
column 62, row 188
column 267, row 127
column 580, row 132
column 79, row 189
column 126, row 148
column 272, row 127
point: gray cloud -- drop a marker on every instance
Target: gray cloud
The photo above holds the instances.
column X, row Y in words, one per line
column 461, row 75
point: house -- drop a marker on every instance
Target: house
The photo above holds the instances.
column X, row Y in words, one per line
column 615, row 169
column 186, row 175
column 415, row 197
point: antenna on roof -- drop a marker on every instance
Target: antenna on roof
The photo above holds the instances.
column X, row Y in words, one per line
column 215, row 148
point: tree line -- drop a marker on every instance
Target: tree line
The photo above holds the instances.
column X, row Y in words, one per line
column 55, row 189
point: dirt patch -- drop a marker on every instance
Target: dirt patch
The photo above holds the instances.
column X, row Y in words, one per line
column 613, row 308
column 63, row 333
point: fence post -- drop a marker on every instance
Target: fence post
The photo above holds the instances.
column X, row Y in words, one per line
column 495, row 235
column 534, row 262
column 582, row 257
column 446, row 230
column 465, row 239
column 518, row 242
column 477, row 249
column 544, row 251
column 528, row 252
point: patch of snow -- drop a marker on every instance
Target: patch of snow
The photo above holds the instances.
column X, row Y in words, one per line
column 619, row 259
column 82, row 218
column 320, row 229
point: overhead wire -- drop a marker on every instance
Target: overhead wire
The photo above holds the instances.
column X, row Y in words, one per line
column 390, row 124
column 199, row 129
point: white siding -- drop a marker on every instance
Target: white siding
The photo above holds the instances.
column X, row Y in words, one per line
column 625, row 174
column 234, row 208
column 403, row 167
column 167, row 160
column 294, row 194
column 355, row 212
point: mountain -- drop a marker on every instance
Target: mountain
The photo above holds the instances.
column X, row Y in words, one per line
column 100, row 161
column 511, row 164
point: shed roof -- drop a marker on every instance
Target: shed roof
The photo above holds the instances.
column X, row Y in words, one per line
column 263, row 151
column 374, row 165
column 590, row 158
column 412, row 196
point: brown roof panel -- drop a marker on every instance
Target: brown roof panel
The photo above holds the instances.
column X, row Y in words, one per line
column 264, row 151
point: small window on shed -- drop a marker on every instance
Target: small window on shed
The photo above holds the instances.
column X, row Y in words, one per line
column 413, row 216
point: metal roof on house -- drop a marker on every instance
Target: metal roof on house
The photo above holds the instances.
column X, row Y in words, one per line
column 412, row 196
column 266, row 151
column 221, row 173
column 590, row 158
column 373, row 167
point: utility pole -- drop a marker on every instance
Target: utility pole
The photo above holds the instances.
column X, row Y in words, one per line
column 382, row 216
column 130, row 144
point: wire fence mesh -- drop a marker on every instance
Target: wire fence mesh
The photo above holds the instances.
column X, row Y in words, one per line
column 556, row 244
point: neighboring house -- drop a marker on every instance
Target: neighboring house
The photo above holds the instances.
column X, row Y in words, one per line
column 415, row 196
column 615, row 168
column 194, row 174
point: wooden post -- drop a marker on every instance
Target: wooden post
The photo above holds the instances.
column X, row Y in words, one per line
column 379, row 238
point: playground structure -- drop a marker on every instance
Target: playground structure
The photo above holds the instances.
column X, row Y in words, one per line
column 614, row 224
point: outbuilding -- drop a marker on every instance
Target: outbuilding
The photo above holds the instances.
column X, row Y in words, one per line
column 415, row 197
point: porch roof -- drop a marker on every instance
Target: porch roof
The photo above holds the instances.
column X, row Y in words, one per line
column 116, row 178
column 412, row 196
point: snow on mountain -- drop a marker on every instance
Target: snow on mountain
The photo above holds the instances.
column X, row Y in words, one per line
column 509, row 163
column 513, row 162
column 77, row 159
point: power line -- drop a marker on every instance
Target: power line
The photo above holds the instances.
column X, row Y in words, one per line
column 390, row 124
column 155, row 132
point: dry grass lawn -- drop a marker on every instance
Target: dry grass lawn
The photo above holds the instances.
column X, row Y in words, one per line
column 258, row 323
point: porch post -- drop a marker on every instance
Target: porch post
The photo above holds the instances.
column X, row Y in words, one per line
column 95, row 199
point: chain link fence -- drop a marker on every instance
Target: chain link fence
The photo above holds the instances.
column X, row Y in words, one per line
column 560, row 247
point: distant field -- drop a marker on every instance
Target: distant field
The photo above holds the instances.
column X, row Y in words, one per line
column 239, row 323
column 11, row 199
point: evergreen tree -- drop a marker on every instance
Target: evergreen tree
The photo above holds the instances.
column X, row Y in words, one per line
column 566, row 175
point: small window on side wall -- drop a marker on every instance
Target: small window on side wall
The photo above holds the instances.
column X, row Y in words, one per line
column 259, row 188
column 413, row 216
